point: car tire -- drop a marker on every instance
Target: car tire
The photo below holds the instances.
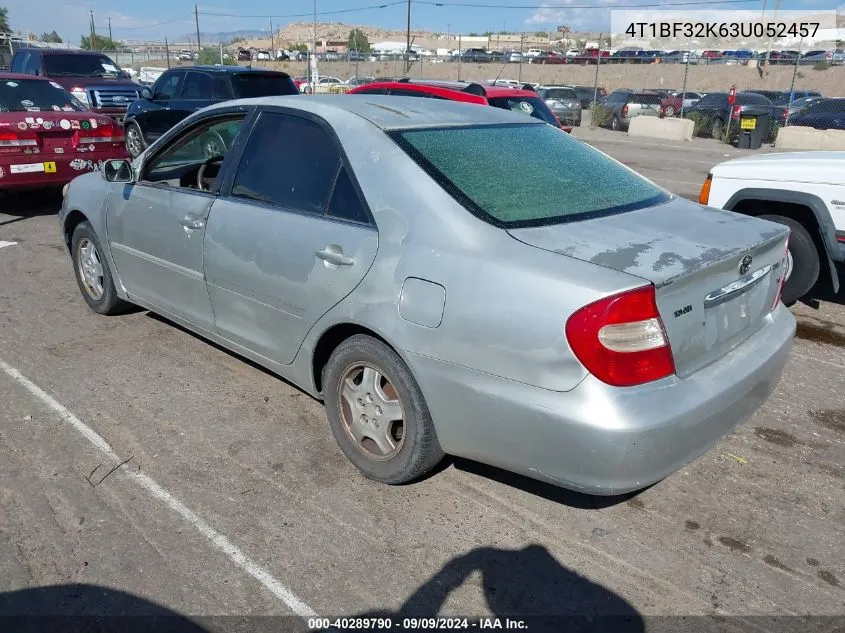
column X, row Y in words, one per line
column 805, row 260
column 669, row 111
column 134, row 139
column 717, row 129
column 92, row 271
column 615, row 125
column 355, row 399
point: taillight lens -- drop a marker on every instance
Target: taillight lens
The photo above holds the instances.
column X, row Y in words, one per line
column 103, row 134
column 782, row 276
column 735, row 112
column 704, row 194
column 621, row 339
column 11, row 138
column 624, row 111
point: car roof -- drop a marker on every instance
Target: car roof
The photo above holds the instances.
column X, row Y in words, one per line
column 21, row 76
column 390, row 112
column 232, row 69
column 60, row 51
column 489, row 90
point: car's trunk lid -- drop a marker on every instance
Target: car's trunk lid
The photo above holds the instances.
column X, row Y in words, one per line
column 711, row 297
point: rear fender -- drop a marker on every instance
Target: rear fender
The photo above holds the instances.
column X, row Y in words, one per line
column 826, row 230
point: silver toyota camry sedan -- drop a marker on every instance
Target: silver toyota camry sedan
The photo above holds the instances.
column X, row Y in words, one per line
column 447, row 278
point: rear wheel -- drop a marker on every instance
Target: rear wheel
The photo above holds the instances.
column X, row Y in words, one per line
column 803, row 262
column 614, row 124
column 717, row 129
column 134, row 139
column 377, row 412
column 92, row 272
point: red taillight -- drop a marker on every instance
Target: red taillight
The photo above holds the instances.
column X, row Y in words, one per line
column 11, row 138
column 782, row 277
column 624, row 111
column 735, row 112
column 109, row 133
column 621, row 340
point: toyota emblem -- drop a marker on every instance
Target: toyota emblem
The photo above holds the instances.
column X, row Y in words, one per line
column 745, row 264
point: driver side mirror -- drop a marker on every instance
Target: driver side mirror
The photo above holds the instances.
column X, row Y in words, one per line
column 146, row 94
column 118, row 170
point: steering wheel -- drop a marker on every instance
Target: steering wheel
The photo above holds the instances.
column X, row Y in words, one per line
column 201, row 172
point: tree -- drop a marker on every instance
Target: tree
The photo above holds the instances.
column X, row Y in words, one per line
column 358, row 41
column 299, row 47
column 101, row 43
column 4, row 21
column 51, row 37
column 540, row 34
column 210, row 55
column 473, row 35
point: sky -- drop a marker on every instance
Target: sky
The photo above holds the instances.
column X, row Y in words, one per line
column 155, row 19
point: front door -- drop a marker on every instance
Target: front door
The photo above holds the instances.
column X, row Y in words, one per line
column 156, row 226
column 291, row 240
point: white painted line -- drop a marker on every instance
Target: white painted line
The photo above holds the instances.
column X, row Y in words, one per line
column 220, row 541
column 5, row 244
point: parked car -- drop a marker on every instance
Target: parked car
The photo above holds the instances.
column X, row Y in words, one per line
column 524, row 101
column 92, row 77
column 624, row 105
column 548, row 58
column 833, row 57
column 473, row 56
column 355, row 56
column 182, row 91
column 185, row 55
column 784, row 97
column 511, row 57
column 263, row 56
column 323, row 80
column 800, row 104
column 670, row 105
column 47, row 136
column 680, row 57
column 532, row 52
column 588, row 94
column 798, row 190
column 362, row 254
column 822, row 114
column 689, row 97
column 244, row 55
column 563, row 102
column 718, row 115
column 360, row 81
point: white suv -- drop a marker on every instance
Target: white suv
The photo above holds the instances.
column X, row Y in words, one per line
column 802, row 190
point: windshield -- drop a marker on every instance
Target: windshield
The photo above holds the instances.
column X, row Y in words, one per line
column 559, row 93
column 248, row 85
column 512, row 188
column 81, row 65
column 34, row 95
column 532, row 106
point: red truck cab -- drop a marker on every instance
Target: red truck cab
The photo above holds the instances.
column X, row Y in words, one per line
column 92, row 77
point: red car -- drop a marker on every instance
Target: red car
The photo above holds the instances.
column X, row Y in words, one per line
column 670, row 105
column 47, row 137
column 515, row 99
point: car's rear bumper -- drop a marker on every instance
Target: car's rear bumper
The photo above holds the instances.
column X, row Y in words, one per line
column 596, row 438
column 33, row 171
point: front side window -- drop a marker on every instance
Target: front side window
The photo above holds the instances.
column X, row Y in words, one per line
column 34, row 95
column 196, row 86
column 532, row 106
column 309, row 172
column 168, row 85
column 80, row 65
column 512, row 188
column 208, row 143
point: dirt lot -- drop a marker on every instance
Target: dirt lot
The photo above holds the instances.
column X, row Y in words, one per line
column 235, row 499
column 830, row 82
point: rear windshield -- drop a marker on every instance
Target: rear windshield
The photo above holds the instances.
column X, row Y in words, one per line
column 81, row 65
column 22, row 95
column 749, row 98
column 530, row 174
column 532, row 106
column 558, row 93
column 646, row 99
column 248, row 85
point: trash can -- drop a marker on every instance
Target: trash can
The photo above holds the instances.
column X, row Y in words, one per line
column 753, row 129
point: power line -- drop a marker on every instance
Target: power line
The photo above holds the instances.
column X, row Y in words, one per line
column 150, row 26
column 628, row 7
column 306, row 15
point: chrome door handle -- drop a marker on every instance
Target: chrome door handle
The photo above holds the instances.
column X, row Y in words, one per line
column 333, row 254
column 192, row 222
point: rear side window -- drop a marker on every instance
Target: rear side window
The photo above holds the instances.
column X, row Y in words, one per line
column 514, row 188
column 196, row 86
column 220, row 88
column 647, row 99
column 345, row 203
column 305, row 182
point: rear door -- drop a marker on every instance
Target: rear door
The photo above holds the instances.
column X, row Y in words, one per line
column 285, row 245
column 196, row 93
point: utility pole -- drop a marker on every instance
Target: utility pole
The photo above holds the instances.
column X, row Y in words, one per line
column 408, row 42
column 93, row 41
column 110, row 37
column 167, row 51
column 312, row 61
column 197, row 18
column 521, row 48
column 272, row 42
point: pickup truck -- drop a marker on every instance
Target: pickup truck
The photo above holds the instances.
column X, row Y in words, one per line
column 802, row 190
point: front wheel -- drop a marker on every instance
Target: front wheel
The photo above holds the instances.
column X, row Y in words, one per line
column 134, row 139
column 92, row 272
column 669, row 111
column 377, row 412
column 803, row 262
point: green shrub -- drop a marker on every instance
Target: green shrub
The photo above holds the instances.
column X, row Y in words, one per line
column 822, row 65
column 600, row 116
column 698, row 124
